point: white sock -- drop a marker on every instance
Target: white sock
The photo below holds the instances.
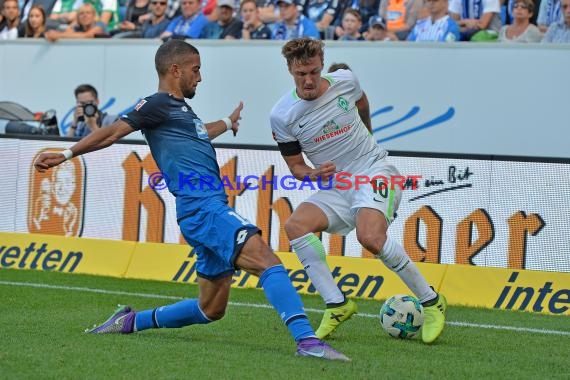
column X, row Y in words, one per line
column 395, row 258
column 312, row 254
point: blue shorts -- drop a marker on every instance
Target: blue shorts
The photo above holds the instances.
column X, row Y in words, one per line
column 217, row 233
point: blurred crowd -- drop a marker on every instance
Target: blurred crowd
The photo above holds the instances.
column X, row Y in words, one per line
column 546, row 21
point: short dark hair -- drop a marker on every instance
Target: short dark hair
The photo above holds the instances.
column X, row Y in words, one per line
column 172, row 52
column 301, row 50
column 529, row 4
column 86, row 88
column 354, row 12
column 338, row 66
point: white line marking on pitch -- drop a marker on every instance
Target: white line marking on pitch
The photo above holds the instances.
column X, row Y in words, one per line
column 264, row 306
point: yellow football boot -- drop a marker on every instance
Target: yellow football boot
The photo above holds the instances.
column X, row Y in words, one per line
column 334, row 316
column 434, row 320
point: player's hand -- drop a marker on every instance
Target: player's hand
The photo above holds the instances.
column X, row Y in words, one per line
column 48, row 160
column 235, row 117
column 326, row 170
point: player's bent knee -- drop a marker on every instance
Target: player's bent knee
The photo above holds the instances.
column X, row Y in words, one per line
column 294, row 229
column 256, row 256
column 371, row 240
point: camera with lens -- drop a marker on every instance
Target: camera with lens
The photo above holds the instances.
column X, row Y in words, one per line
column 89, row 110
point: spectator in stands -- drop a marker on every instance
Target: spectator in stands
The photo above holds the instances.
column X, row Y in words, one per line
column 400, row 15
column 377, row 31
column 189, row 24
column 136, row 13
column 559, row 32
column 65, row 11
column 87, row 26
column 521, row 30
column 90, row 118
column 11, row 20
column 35, row 24
column 366, row 8
column 293, row 24
column 438, row 26
column 549, row 12
column 107, row 11
column 268, row 12
column 157, row 23
column 321, row 12
column 227, row 27
column 479, row 20
column 253, row 28
column 507, row 15
column 351, row 25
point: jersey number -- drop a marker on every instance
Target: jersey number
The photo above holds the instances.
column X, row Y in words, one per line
column 380, row 189
column 241, row 219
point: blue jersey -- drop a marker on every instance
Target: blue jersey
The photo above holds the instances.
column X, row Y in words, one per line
column 180, row 145
column 443, row 30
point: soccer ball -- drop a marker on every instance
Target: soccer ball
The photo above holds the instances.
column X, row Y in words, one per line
column 402, row 316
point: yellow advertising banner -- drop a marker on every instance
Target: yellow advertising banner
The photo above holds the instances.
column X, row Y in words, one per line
column 70, row 255
column 158, row 261
column 498, row 288
column 357, row 277
column 469, row 285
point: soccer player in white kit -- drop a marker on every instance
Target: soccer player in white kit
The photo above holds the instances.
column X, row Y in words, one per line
column 328, row 119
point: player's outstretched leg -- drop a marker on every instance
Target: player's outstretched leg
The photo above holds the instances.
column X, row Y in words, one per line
column 214, row 295
column 125, row 320
column 121, row 322
column 257, row 258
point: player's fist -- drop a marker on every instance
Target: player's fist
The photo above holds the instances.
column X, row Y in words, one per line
column 326, row 170
column 48, row 160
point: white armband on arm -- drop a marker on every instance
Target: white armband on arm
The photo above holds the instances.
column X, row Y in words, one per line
column 228, row 122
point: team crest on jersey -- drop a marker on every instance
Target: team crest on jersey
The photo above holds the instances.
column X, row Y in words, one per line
column 343, row 103
column 201, row 129
column 184, row 109
column 330, row 126
column 140, row 104
column 56, row 199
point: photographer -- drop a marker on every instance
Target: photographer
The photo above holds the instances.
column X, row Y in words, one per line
column 87, row 116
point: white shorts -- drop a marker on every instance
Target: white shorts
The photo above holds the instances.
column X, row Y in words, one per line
column 342, row 201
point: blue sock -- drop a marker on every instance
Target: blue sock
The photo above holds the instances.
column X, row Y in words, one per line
column 180, row 314
column 286, row 301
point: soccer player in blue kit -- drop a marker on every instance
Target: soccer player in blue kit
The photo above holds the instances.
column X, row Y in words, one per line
column 223, row 240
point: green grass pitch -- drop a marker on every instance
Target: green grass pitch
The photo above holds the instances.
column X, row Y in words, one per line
column 43, row 316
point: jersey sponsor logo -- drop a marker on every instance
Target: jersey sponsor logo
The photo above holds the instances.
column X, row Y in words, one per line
column 302, row 125
column 332, row 129
column 56, row 200
column 184, row 109
column 140, row 104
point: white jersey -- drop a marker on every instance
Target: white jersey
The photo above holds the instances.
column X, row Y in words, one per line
column 328, row 128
